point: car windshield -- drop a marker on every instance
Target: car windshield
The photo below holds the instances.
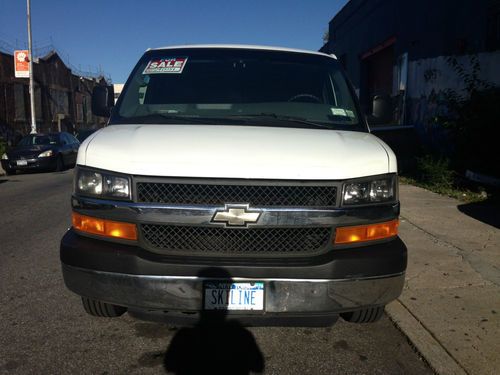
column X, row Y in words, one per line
column 243, row 86
column 31, row 140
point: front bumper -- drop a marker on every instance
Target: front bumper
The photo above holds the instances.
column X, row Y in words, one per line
column 185, row 294
column 129, row 276
column 31, row 164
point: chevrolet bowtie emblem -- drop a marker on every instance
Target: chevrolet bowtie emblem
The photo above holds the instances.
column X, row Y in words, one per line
column 236, row 215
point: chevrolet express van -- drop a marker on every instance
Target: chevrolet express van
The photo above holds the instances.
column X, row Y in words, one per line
column 241, row 179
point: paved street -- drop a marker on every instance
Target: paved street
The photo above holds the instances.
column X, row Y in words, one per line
column 45, row 330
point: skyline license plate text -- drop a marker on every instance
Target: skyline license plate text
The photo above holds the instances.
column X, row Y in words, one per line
column 220, row 295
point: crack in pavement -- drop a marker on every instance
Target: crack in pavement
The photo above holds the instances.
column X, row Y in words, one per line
column 465, row 255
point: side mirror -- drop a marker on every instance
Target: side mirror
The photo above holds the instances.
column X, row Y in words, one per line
column 382, row 109
column 102, row 100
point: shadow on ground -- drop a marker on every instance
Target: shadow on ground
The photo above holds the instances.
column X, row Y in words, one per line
column 486, row 211
column 214, row 345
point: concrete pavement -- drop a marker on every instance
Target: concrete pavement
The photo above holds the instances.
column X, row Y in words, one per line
column 44, row 329
column 450, row 307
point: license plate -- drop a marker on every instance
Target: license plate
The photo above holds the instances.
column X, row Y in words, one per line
column 22, row 162
column 220, row 295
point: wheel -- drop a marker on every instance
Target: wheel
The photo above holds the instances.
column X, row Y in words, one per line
column 59, row 164
column 102, row 309
column 370, row 315
column 10, row 172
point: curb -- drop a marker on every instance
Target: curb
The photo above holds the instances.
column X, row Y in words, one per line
column 424, row 342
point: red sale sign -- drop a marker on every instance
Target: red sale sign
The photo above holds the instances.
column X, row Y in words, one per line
column 167, row 65
column 21, row 64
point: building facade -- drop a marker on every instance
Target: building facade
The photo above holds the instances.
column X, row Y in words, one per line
column 62, row 99
column 411, row 52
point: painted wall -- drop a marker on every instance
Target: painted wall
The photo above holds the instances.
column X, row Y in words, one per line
column 423, row 29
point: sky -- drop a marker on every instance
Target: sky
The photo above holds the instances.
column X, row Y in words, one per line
column 113, row 34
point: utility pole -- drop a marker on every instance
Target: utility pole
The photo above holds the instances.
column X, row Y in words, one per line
column 32, row 83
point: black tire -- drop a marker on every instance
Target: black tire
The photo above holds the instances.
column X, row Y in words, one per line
column 10, row 172
column 370, row 315
column 102, row 309
column 59, row 164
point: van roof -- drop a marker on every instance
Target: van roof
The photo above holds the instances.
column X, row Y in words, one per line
column 244, row 46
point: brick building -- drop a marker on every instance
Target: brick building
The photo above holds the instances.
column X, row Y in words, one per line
column 62, row 99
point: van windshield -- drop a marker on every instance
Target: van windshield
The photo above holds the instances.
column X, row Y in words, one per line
column 237, row 86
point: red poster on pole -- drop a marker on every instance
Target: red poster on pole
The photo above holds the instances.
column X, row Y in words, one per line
column 21, row 64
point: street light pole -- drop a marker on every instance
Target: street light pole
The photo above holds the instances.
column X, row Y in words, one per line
column 32, row 83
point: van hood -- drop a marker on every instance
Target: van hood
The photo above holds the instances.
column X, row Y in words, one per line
column 223, row 151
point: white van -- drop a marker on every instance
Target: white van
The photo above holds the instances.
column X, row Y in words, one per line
column 241, row 179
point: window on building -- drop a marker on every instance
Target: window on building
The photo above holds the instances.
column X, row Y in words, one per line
column 19, row 105
column 59, row 103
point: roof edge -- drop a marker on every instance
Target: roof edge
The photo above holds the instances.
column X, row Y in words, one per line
column 243, row 46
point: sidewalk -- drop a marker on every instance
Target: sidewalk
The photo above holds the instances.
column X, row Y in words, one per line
column 450, row 307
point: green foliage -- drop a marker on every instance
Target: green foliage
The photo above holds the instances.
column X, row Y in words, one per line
column 435, row 171
column 326, row 36
column 473, row 120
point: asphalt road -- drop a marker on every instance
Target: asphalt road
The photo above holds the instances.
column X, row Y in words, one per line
column 44, row 329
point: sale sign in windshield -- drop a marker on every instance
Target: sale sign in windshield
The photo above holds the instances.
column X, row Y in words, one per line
column 166, row 65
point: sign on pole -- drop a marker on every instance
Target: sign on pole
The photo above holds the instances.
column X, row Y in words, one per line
column 21, row 64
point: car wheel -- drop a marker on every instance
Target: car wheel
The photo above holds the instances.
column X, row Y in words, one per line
column 102, row 309
column 370, row 315
column 59, row 164
column 10, row 172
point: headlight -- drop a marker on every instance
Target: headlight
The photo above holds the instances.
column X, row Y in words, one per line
column 5, row 157
column 46, row 154
column 370, row 191
column 102, row 184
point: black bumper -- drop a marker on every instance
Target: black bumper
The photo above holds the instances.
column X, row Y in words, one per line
column 374, row 260
column 172, row 290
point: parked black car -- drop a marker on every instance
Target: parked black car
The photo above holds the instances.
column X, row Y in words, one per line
column 54, row 151
column 82, row 134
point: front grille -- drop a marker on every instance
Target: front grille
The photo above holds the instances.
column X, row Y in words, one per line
column 187, row 240
column 255, row 195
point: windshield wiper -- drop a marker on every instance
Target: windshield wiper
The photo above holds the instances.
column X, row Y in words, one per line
column 194, row 119
column 274, row 116
column 155, row 117
column 182, row 119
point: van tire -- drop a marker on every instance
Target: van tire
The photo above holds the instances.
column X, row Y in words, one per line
column 102, row 309
column 370, row 315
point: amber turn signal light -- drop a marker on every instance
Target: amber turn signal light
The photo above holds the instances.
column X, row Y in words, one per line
column 101, row 227
column 370, row 232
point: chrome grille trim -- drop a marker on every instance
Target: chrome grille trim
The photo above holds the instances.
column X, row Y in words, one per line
column 202, row 215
